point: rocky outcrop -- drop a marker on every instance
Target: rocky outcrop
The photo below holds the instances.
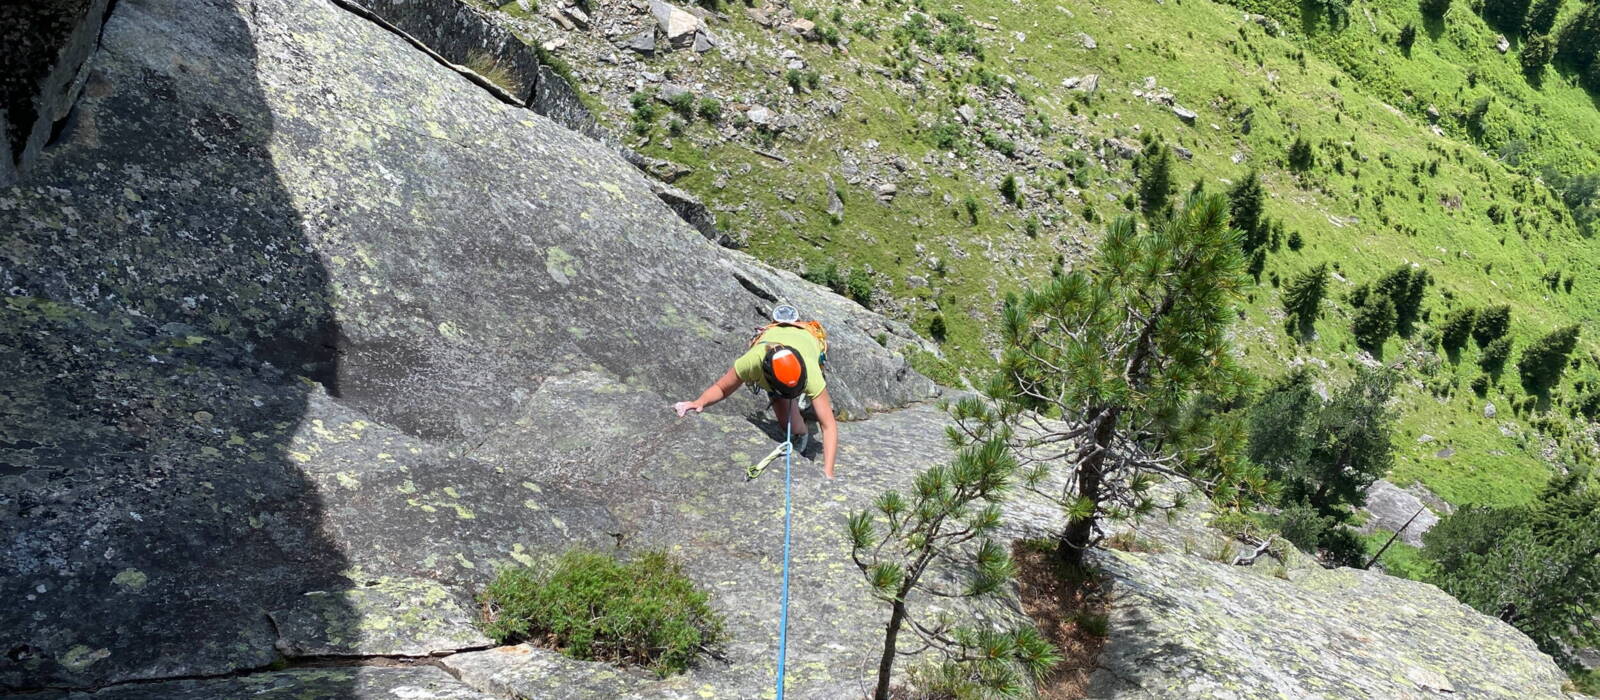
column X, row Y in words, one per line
column 1186, row 627
column 467, row 37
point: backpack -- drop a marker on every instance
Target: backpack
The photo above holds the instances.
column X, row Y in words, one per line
column 813, row 327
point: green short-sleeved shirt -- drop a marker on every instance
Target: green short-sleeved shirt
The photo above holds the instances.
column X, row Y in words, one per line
column 748, row 366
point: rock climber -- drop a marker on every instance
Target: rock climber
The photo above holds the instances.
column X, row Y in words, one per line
column 785, row 359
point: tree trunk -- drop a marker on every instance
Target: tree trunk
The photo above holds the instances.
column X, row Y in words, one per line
column 1080, row 531
column 886, row 665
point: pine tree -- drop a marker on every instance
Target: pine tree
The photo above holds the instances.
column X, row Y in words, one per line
column 1155, row 180
column 1578, row 41
column 1491, row 323
column 1301, row 155
column 1536, row 52
column 1536, row 567
column 1408, row 37
column 1406, row 286
column 1457, row 329
column 1433, row 8
column 1505, row 15
column 1542, row 18
column 1302, row 298
column 1495, row 354
column 949, row 521
column 1542, row 363
column 1325, row 453
column 1373, row 323
column 1245, row 203
column 1121, row 352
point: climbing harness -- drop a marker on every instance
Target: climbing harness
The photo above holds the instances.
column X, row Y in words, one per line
column 788, row 509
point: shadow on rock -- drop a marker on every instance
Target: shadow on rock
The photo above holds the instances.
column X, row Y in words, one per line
column 162, row 326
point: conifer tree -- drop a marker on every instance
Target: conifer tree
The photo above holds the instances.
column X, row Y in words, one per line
column 1245, row 204
column 1119, row 353
column 1495, row 354
column 1542, row 18
column 1506, row 15
column 1155, row 180
column 948, row 522
column 1491, row 323
column 1457, row 329
column 1373, row 322
column 1542, row 363
column 1302, row 299
column 1536, row 567
column 1325, row 453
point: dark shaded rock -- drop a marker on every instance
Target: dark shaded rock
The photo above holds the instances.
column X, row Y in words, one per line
column 42, row 69
column 557, row 99
column 644, row 42
column 464, row 35
column 693, row 212
column 305, row 684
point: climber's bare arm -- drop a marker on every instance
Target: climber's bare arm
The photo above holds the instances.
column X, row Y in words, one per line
column 830, row 433
column 723, row 388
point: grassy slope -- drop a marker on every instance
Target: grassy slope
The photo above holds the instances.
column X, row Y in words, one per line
column 1349, row 96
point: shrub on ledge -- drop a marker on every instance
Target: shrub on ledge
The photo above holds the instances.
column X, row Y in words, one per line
column 594, row 606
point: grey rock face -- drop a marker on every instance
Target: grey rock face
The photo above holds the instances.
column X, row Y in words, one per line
column 1186, row 627
column 463, row 35
column 1392, row 509
column 644, row 42
column 693, row 211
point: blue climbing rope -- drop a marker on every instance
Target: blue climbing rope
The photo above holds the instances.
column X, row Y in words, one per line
column 783, row 616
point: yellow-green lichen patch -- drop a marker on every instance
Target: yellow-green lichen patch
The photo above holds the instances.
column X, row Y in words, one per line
column 560, row 265
column 81, row 657
column 131, row 579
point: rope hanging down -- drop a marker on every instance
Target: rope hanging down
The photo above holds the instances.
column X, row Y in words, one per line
column 783, row 617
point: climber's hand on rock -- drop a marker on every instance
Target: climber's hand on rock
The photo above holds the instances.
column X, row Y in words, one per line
column 684, row 407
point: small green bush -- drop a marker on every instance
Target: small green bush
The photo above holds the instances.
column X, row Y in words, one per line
column 683, row 104
column 710, row 109
column 858, row 286
column 1009, row 191
column 592, row 606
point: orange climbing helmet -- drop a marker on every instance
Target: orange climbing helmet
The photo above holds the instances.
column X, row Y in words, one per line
column 785, row 372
